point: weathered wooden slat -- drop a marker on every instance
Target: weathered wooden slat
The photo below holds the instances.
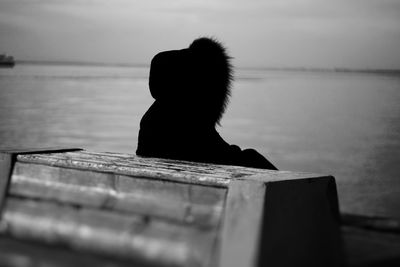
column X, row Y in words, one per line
column 187, row 203
column 370, row 247
column 179, row 171
column 128, row 168
column 22, row 253
column 129, row 236
column 7, row 159
column 36, row 150
column 376, row 223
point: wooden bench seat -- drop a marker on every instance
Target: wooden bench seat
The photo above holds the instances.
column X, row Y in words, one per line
column 158, row 212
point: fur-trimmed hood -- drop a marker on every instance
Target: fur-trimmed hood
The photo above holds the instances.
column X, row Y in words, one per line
column 195, row 80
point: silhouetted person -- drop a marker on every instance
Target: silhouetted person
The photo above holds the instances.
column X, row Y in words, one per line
column 191, row 88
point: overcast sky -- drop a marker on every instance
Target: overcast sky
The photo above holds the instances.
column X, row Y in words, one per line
column 282, row 33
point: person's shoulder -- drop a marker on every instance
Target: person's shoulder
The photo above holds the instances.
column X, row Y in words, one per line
column 156, row 114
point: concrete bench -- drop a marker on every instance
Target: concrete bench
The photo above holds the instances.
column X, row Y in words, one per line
column 159, row 212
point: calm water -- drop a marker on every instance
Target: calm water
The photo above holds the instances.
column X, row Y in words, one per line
column 344, row 124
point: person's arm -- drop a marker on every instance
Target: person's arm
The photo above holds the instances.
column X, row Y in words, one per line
column 251, row 158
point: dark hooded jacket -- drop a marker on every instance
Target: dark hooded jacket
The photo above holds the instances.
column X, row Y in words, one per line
column 191, row 88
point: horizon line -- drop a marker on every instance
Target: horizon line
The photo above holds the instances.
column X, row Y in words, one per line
column 272, row 68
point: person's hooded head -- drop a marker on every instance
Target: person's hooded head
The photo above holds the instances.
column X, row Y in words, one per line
column 195, row 80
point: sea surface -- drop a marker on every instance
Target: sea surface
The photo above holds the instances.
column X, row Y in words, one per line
column 346, row 124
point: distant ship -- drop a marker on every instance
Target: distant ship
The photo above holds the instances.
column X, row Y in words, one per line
column 6, row 61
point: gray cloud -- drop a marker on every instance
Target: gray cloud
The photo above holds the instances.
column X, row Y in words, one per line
column 352, row 33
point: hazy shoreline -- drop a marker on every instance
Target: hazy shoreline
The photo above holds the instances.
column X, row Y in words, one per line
column 261, row 68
